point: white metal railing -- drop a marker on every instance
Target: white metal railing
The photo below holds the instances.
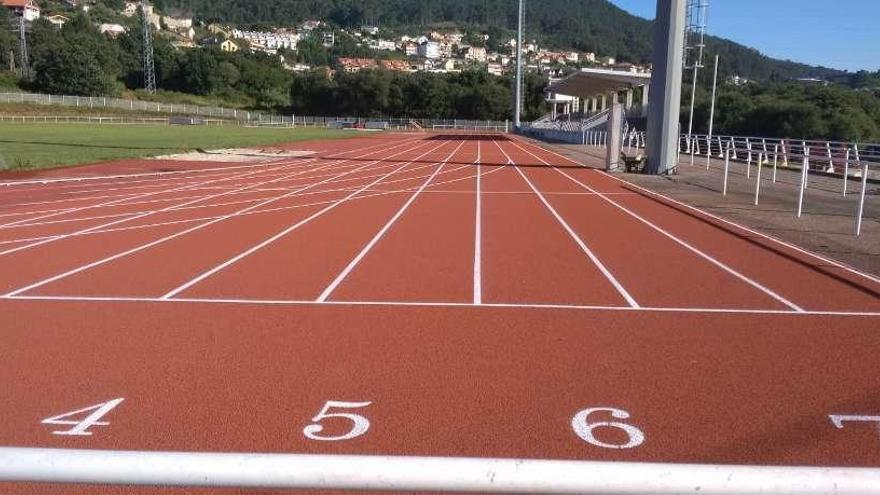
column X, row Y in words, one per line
column 259, row 118
column 845, row 160
column 99, row 119
column 136, row 105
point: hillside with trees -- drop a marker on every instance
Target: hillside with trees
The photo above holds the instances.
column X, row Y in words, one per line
column 587, row 25
column 78, row 60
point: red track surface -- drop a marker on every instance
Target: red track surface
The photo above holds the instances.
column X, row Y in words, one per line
column 477, row 315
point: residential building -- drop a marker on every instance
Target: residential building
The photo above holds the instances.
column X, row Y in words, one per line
column 357, row 64
column 410, row 49
column 495, row 69
column 476, row 53
column 371, row 30
column 607, row 60
column 268, row 41
column 386, row 45
column 23, row 8
column 58, row 20
column 112, row 30
column 219, row 29
column 429, row 50
column 229, row 46
column 133, row 8
column 396, row 65
column 177, row 23
column 310, row 25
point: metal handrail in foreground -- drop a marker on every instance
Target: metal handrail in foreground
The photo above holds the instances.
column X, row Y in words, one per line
column 398, row 473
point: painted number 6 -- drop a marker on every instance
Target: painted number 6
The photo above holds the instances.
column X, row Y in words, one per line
column 359, row 426
column 583, row 428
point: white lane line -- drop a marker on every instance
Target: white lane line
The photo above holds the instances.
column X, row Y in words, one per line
column 129, row 218
column 328, row 291
column 767, row 291
column 285, row 232
column 160, row 175
column 184, row 232
column 436, row 304
column 154, row 176
column 419, row 474
column 728, row 222
column 167, row 209
column 121, row 199
column 595, row 259
column 478, row 233
column 380, row 192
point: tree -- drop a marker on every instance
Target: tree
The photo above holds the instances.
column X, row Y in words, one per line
column 8, row 45
column 72, row 69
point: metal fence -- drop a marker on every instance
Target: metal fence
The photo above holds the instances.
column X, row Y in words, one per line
column 138, row 106
column 249, row 117
column 847, row 161
column 107, row 120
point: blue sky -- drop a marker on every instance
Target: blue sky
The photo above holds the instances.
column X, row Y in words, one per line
column 844, row 34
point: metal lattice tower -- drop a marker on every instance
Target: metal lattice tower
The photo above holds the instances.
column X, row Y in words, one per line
column 23, row 48
column 149, row 64
column 694, row 46
column 695, row 33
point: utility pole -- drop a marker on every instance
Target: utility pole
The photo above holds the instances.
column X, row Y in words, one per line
column 517, row 112
column 149, row 64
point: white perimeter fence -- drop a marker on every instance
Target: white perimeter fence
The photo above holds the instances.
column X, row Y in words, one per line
column 847, row 161
column 244, row 116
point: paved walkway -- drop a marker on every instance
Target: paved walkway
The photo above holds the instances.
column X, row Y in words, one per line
column 828, row 223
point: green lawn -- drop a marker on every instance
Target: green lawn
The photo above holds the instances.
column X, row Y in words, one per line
column 30, row 146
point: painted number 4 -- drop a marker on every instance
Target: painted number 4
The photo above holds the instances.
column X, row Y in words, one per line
column 81, row 426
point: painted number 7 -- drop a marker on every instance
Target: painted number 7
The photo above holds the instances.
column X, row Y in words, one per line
column 839, row 420
column 359, row 424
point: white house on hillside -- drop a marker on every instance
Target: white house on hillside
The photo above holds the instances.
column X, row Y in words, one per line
column 23, row 8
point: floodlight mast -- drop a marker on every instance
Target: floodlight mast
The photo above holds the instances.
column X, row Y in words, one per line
column 695, row 44
column 149, row 64
column 23, row 48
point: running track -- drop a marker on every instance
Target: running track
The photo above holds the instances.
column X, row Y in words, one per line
column 472, row 296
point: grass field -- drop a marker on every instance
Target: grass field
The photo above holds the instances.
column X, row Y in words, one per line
column 30, row 146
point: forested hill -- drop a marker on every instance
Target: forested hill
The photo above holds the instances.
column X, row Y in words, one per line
column 588, row 25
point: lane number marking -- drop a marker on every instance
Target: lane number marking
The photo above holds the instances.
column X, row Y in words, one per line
column 359, row 426
column 838, row 420
column 81, row 426
column 583, row 428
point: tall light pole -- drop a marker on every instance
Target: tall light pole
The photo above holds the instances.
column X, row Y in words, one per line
column 665, row 89
column 712, row 113
column 517, row 111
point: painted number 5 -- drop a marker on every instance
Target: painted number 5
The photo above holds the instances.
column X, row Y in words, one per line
column 584, row 428
column 359, row 426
